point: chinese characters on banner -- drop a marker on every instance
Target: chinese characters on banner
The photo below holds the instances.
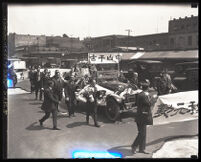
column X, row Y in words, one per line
column 98, row 58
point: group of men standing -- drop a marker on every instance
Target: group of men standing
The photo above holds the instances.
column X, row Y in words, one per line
column 52, row 89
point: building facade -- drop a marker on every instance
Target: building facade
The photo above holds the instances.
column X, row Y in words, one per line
column 182, row 35
column 69, row 44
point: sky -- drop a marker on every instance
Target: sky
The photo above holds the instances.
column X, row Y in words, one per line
column 85, row 20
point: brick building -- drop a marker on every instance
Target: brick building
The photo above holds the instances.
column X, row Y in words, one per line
column 66, row 43
column 182, row 35
column 20, row 42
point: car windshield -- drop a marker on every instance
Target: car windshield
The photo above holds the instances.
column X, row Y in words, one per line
column 104, row 67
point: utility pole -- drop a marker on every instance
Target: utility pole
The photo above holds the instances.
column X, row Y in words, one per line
column 129, row 31
column 71, row 42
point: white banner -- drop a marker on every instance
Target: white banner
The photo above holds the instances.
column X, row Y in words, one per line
column 100, row 58
column 176, row 107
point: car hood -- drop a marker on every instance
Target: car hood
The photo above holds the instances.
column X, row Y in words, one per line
column 112, row 85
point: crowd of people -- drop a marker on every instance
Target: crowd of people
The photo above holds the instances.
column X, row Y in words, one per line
column 51, row 89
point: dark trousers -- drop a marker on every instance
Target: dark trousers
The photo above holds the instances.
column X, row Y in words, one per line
column 91, row 109
column 38, row 89
column 141, row 137
column 32, row 88
column 54, row 117
column 70, row 107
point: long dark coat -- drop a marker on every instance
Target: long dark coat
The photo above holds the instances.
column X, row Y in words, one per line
column 37, row 81
column 44, row 80
column 50, row 102
column 69, row 90
column 58, row 88
column 144, row 105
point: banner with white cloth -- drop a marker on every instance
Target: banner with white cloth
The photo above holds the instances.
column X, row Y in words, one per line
column 176, row 107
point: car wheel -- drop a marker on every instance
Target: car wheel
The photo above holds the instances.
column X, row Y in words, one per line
column 112, row 110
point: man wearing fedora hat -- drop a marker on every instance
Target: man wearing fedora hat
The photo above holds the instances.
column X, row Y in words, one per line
column 143, row 118
column 69, row 91
column 49, row 105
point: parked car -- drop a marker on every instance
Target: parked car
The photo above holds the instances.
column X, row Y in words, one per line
column 113, row 95
column 148, row 69
column 185, row 77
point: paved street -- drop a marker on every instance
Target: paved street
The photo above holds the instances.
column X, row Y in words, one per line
column 26, row 139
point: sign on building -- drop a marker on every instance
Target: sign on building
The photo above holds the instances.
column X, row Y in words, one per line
column 99, row 58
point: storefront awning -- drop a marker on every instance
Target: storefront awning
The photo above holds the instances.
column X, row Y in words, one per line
column 130, row 56
column 160, row 55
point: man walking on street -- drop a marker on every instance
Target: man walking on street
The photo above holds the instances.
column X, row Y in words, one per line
column 143, row 118
column 44, row 80
column 49, row 106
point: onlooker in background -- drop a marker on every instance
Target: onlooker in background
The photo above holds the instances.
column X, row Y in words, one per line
column 38, row 83
column 132, row 77
column 143, row 118
column 31, row 79
column 93, row 71
column 85, row 81
column 122, row 77
column 49, row 106
column 69, row 91
column 165, row 84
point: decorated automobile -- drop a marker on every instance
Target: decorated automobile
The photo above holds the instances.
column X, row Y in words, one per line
column 112, row 95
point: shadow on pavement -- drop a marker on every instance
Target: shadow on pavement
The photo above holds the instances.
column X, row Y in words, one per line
column 124, row 150
column 76, row 124
column 33, row 126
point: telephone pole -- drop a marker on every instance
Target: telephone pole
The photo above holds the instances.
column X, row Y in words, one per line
column 129, row 31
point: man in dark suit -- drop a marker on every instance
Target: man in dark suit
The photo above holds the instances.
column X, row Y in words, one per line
column 38, row 85
column 143, row 118
column 69, row 91
column 44, row 80
column 58, row 86
column 31, row 79
column 90, row 92
column 49, row 106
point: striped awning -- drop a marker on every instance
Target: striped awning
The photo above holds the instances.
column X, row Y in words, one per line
column 160, row 55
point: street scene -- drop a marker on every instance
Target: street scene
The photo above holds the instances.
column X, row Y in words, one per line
column 83, row 89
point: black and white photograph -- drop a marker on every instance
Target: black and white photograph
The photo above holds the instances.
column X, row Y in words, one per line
column 102, row 80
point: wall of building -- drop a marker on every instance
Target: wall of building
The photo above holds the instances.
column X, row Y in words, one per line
column 183, row 25
column 183, row 33
column 72, row 44
column 183, row 41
